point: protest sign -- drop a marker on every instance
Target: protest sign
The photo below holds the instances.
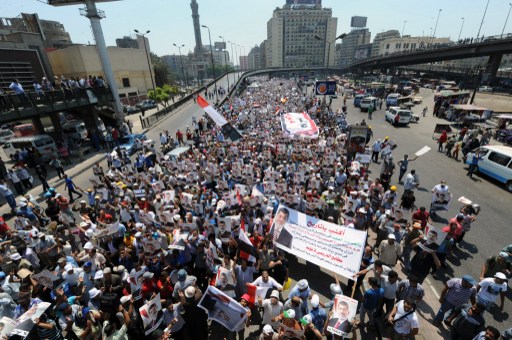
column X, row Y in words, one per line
column 151, row 246
column 139, row 193
column 356, row 142
column 363, row 158
column 290, row 333
column 223, row 309
column 135, row 280
column 25, row 322
column 225, row 281
column 344, row 311
column 151, row 314
column 333, row 247
column 422, row 151
column 168, row 196
column 45, row 278
column 186, row 201
column 8, row 326
column 158, row 186
column 230, row 221
column 110, row 229
column 296, row 124
column 434, row 239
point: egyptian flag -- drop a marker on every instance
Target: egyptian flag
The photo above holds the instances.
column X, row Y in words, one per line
column 247, row 250
column 228, row 130
column 256, row 292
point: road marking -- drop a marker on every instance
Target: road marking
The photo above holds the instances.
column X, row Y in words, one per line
column 432, row 287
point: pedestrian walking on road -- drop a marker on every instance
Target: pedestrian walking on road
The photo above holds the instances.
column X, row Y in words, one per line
column 456, row 292
column 474, row 164
column 71, row 188
column 370, row 111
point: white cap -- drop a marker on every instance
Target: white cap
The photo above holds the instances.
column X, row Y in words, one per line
column 315, row 301
column 267, row 330
column 391, row 237
column 98, row 275
column 89, row 233
column 500, row 275
column 94, row 292
column 68, row 267
column 125, row 299
column 190, row 291
column 88, row 246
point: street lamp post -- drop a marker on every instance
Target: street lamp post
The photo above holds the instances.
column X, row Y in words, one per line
column 234, row 62
column 462, row 25
column 483, row 17
column 147, row 56
column 506, row 20
column 240, row 54
column 182, row 70
column 435, row 29
column 225, row 61
column 403, row 28
column 317, row 37
column 213, row 63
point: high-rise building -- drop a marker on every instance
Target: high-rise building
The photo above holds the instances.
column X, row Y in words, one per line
column 291, row 35
column 347, row 49
column 53, row 33
column 380, row 37
column 254, row 58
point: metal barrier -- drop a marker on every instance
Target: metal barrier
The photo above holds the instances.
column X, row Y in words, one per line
column 154, row 118
column 10, row 103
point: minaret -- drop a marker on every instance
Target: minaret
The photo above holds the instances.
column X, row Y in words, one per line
column 198, row 50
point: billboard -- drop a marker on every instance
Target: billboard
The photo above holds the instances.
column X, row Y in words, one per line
column 325, row 88
column 219, row 45
column 358, row 21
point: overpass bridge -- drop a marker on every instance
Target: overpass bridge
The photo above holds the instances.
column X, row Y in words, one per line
column 493, row 47
column 33, row 106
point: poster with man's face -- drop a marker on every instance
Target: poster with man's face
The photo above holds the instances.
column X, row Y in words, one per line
column 434, row 238
column 344, row 311
column 151, row 314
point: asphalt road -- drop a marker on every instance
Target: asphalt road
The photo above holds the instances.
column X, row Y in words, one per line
column 489, row 233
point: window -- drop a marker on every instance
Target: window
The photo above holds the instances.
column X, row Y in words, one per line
column 499, row 158
column 126, row 82
column 387, row 46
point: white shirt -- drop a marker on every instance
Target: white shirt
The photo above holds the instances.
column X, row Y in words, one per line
column 271, row 283
column 404, row 325
column 489, row 290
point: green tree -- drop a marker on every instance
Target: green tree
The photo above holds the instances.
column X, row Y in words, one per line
column 163, row 94
column 162, row 71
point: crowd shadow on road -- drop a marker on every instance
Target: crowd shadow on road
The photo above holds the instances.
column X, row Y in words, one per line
column 438, row 219
column 472, row 248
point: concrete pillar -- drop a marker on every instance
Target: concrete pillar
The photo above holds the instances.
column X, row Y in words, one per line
column 491, row 69
column 90, row 118
column 36, row 121
column 95, row 16
column 57, row 127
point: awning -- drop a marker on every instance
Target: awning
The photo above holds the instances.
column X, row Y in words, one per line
column 469, row 107
column 503, row 116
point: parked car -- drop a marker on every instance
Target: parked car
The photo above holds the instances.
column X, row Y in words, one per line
column 130, row 109
column 146, row 104
column 495, row 162
column 5, row 135
column 485, row 89
column 404, row 116
column 130, row 143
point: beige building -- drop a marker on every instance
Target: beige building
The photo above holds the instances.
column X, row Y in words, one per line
column 291, row 35
column 408, row 43
column 129, row 65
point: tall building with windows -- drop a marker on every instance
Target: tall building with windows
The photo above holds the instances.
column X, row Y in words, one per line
column 380, row 37
column 291, row 35
column 348, row 47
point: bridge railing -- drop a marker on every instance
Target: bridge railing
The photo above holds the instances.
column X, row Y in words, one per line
column 33, row 100
column 439, row 46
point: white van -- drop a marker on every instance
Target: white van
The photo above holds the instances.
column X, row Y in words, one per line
column 496, row 162
column 43, row 143
column 5, row 135
column 367, row 102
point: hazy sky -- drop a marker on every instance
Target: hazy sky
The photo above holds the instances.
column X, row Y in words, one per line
column 244, row 21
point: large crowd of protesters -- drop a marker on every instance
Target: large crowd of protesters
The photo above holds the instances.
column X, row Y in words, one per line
column 175, row 222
